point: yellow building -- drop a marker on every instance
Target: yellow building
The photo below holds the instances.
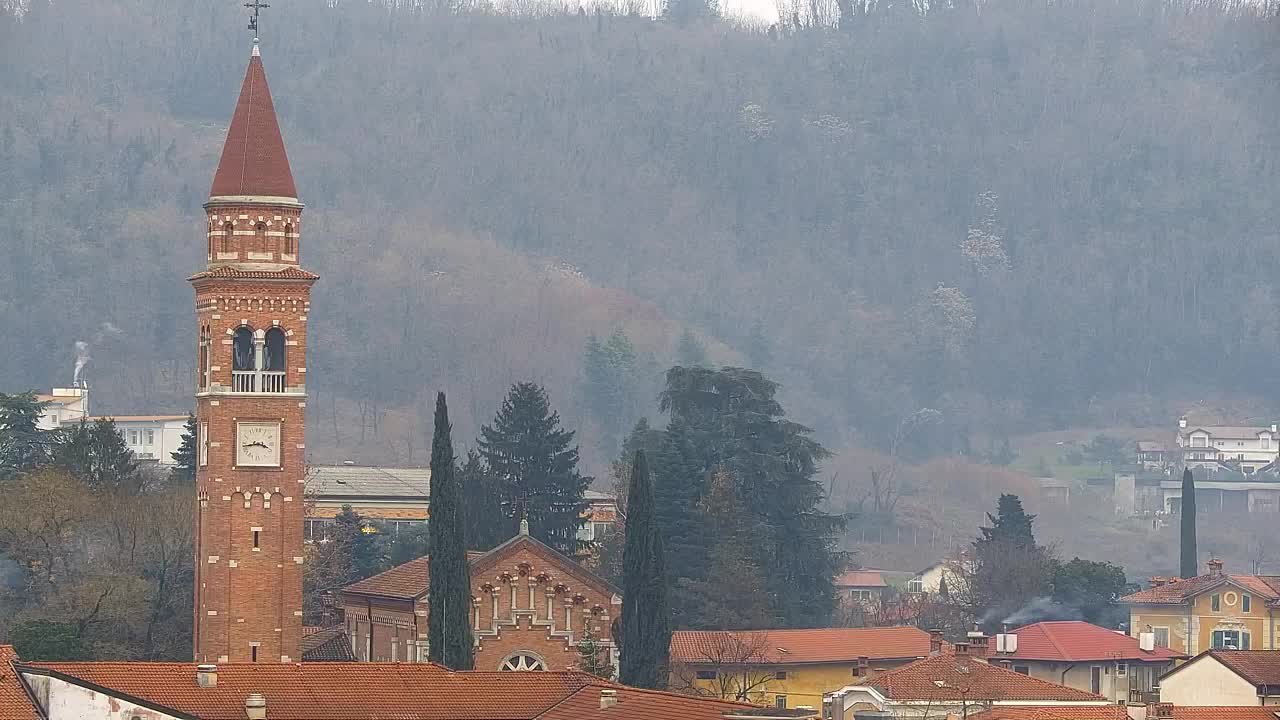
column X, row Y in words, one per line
column 788, row 668
column 1210, row 611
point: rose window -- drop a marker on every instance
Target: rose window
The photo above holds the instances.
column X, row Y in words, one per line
column 521, row 662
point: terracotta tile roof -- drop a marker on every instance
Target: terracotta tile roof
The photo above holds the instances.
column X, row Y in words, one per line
column 860, row 578
column 137, row 418
column 409, row 580
column 1076, row 641
column 285, row 272
column 1025, row 712
column 945, row 677
column 1259, row 667
column 323, row 691
column 326, row 645
column 253, row 159
column 798, row 646
column 15, row 703
column 1226, row 713
column 1181, row 591
column 636, row 704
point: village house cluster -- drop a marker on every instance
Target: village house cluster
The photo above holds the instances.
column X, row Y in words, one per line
column 1202, row 647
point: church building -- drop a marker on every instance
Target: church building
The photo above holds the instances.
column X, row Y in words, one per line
column 531, row 609
column 252, row 302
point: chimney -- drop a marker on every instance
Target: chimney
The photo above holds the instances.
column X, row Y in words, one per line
column 1158, row 581
column 1160, row 711
column 1274, row 428
column 348, row 462
column 255, row 707
column 1182, row 422
column 207, row 675
column 1147, row 641
column 961, row 649
column 979, row 643
column 608, row 698
column 935, row 643
column 1215, row 567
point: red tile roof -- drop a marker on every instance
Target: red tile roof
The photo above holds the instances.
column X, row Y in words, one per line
column 860, row 578
column 1182, row 591
column 329, row 644
column 324, row 691
column 1078, row 641
column 1226, row 713
column 798, row 646
column 409, row 580
column 287, row 272
column 947, row 677
column 1258, row 667
column 1041, row 712
column 253, row 159
column 15, row 704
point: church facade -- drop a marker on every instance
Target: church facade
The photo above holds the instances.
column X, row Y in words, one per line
column 252, row 302
column 531, row 609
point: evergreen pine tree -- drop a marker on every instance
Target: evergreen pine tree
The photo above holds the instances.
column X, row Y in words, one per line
column 1189, row 567
column 449, row 601
column 97, row 455
column 679, row 483
column 1009, row 569
column 1010, row 524
column 484, row 525
column 733, row 422
column 645, row 633
column 535, row 465
column 184, row 458
column 23, row 446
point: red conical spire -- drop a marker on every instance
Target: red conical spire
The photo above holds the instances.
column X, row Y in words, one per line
column 253, row 160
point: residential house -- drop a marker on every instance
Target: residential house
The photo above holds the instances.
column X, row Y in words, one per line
column 1087, row 657
column 1210, row 611
column 942, row 573
column 952, row 684
column 63, row 407
column 396, row 498
column 1231, row 447
column 350, row 691
column 1153, row 456
column 860, row 587
column 788, row 668
column 1225, row 677
column 531, row 608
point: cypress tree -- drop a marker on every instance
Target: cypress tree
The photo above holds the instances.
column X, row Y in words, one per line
column 1190, row 567
column 449, row 601
column 646, row 629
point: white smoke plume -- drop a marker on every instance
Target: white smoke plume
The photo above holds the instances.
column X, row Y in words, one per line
column 83, row 357
column 1041, row 609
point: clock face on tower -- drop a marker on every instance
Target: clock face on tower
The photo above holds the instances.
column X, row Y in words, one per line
column 258, row 444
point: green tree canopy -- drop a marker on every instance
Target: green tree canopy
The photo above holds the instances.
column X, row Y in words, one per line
column 97, row 454
column 184, row 458
column 535, row 464
column 23, row 446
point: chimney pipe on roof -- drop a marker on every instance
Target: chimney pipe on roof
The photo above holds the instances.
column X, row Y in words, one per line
column 207, row 675
column 1215, row 567
column 1182, row 422
column 935, row 642
column 255, row 707
column 1160, row 711
column 608, row 698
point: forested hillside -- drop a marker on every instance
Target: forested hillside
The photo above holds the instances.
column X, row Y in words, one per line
column 1013, row 212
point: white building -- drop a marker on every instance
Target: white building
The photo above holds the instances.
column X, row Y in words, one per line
column 150, row 437
column 64, row 407
column 1244, row 449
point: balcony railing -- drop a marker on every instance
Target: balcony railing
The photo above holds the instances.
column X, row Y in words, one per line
column 266, row 381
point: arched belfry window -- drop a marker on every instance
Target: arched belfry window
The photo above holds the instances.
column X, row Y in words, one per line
column 228, row 235
column 273, row 351
column 260, row 237
column 242, row 350
column 290, row 242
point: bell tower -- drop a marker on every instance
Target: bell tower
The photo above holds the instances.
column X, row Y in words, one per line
column 252, row 302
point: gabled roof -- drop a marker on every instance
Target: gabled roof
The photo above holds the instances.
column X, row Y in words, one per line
column 1033, row 712
column 329, row 644
column 1260, row 668
column 15, row 703
column 362, row 481
column 253, row 160
column 1078, row 641
column 949, row 677
column 409, row 581
column 1182, row 591
column 860, row 578
column 360, row 691
column 784, row 647
column 1234, row 432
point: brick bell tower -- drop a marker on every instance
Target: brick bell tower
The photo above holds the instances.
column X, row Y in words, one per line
column 252, row 302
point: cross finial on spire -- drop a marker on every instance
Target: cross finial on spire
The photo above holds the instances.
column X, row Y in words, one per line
column 256, row 6
column 524, row 525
